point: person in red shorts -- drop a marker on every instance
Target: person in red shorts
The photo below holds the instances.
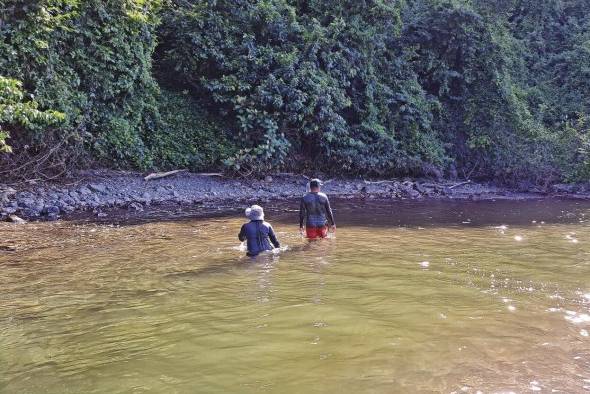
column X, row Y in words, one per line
column 316, row 212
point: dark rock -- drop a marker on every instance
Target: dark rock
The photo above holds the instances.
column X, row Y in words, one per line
column 136, row 207
column 31, row 212
column 84, row 191
column 564, row 188
column 410, row 192
column 8, row 210
column 52, row 210
column 23, row 195
column 27, row 203
column 420, row 188
column 98, row 188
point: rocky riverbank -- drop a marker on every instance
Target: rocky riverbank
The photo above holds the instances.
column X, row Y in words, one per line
column 102, row 193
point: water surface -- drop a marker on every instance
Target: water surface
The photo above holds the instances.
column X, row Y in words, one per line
column 409, row 297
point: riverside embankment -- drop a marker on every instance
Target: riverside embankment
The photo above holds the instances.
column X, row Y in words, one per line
column 102, row 193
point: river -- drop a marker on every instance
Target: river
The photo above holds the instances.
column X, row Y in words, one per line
column 413, row 297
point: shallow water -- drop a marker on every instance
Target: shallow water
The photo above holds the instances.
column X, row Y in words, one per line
column 409, row 297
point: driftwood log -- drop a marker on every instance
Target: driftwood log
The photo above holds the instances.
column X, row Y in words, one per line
column 379, row 182
column 158, row 175
column 219, row 174
column 16, row 219
column 459, row 184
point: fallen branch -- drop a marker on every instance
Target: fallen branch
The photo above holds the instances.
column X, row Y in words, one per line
column 16, row 219
column 459, row 184
column 378, row 182
column 219, row 174
column 323, row 183
column 158, row 175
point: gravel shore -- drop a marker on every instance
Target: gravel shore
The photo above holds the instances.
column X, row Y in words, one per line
column 100, row 193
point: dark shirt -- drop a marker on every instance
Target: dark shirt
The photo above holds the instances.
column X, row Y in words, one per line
column 315, row 210
column 259, row 235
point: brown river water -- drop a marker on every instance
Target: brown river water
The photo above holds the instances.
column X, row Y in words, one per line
column 415, row 297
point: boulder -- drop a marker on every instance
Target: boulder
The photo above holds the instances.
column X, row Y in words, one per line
column 27, row 203
column 52, row 210
column 31, row 212
column 98, row 188
column 8, row 210
column 84, row 191
column 52, row 217
column 564, row 188
column 135, row 206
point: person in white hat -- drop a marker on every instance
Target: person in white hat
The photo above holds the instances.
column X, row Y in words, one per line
column 258, row 233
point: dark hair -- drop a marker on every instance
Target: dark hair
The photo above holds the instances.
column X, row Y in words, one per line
column 314, row 184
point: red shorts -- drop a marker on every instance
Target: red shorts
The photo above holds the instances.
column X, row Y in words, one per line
column 316, row 232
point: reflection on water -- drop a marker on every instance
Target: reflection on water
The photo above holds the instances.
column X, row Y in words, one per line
column 423, row 297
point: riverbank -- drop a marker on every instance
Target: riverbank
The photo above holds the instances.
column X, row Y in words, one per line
column 102, row 194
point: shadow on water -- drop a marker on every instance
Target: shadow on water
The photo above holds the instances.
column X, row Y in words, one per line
column 387, row 213
column 432, row 213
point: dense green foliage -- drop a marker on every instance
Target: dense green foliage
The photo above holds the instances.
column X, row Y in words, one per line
column 489, row 89
column 17, row 114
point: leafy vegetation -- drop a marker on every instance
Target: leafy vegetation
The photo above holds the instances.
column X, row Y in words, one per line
column 483, row 89
column 18, row 115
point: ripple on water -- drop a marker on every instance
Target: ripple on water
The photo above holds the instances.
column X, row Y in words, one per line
column 105, row 308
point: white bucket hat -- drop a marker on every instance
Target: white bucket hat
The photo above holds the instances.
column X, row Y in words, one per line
column 255, row 212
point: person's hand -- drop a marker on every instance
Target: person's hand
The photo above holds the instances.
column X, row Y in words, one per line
column 334, row 228
column 302, row 231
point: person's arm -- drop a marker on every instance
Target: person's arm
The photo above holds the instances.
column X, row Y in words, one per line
column 273, row 237
column 301, row 213
column 242, row 234
column 329, row 213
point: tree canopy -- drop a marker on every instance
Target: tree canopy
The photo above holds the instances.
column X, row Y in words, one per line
column 485, row 89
